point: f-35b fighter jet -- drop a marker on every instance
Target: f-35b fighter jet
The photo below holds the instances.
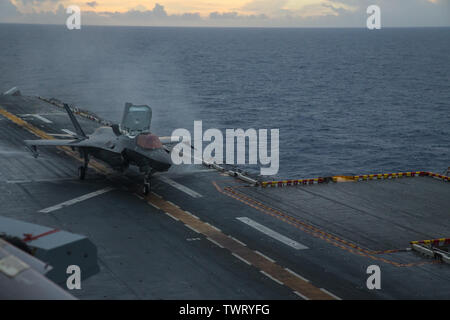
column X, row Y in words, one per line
column 130, row 143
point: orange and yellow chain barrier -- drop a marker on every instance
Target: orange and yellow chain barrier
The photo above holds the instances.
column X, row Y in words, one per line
column 434, row 242
column 294, row 182
column 365, row 177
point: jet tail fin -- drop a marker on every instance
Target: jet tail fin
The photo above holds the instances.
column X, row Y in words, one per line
column 75, row 123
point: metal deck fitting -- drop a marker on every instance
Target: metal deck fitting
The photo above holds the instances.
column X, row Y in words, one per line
column 58, row 248
column 435, row 248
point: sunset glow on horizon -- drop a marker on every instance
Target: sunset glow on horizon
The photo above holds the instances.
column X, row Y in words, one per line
column 230, row 13
column 203, row 7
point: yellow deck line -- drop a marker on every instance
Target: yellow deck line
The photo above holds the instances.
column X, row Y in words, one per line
column 43, row 135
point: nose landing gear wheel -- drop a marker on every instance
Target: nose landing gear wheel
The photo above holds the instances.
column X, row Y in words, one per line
column 147, row 186
column 81, row 172
column 146, row 189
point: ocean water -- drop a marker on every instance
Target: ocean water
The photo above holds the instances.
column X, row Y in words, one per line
column 346, row 101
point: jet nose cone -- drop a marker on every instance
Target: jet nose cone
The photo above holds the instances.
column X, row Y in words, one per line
column 163, row 159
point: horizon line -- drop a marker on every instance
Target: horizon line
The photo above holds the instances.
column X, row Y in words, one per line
column 220, row 27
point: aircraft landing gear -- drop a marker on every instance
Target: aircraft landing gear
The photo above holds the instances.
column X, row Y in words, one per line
column 147, row 186
column 82, row 172
column 83, row 169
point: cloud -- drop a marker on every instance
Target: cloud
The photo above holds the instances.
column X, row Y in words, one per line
column 255, row 13
column 296, row 8
column 8, row 12
column 265, row 6
column 159, row 11
column 92, row 4
column 35, row 2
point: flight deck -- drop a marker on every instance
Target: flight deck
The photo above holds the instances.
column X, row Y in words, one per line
column 204, row 234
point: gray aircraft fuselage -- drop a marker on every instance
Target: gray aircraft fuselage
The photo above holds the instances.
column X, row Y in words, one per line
column 121, row 151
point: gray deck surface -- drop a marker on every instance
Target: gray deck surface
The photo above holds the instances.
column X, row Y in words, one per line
column 378, row 215
column 144, row 254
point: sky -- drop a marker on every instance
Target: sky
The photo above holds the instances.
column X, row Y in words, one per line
column 230, row 13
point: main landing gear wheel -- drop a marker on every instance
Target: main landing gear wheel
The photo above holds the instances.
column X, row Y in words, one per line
column 147, row 188
column 81, row 172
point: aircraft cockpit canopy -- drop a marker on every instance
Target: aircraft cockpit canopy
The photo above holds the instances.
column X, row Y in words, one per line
column 136, row 119
column 149, row 141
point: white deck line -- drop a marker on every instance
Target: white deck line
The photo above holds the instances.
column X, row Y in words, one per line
column 264, row 256
column 174, row 218
column 273, row 234
column 270, row 277
column 192, row 215
column 296, row 274
column 216, row 243
column 154, row 206
column 301, row 296
column 240, row 258
column 329, row 293
column 180, row 187
column 40, row 180
column 75, row 200
column 238, row 241
column 37, row 116
column 69, row 132
column 192, row 228
column 175, row 205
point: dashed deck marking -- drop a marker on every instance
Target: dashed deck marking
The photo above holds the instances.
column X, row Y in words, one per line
column 273, row 234
column 263, row 255
column 138, row 196
column 270, row 277
column 154, row 206
column 191, row 214
column 75, row 200
column 333, row 295
column 180, row 187
column 37, row 116
column 217, row 244
column 192, row 228
column 301, row 296
column 240, row 258
column 157, row 195
column 217, row 229
column 272, row 269
column 39, row 180
column 172, row 203
column 176, row 219
column 238, row 241
column 297, row 275
column 69, row 132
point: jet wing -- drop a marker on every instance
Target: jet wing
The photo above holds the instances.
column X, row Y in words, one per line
column 86, row 143
column 170, row 140
column 53, row 142
column 73, row 143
